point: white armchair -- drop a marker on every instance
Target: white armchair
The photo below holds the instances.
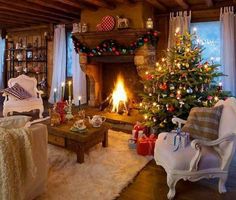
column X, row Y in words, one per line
column 12, row 104
column 201, row 159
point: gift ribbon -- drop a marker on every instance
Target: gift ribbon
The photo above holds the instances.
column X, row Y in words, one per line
column 178, row 142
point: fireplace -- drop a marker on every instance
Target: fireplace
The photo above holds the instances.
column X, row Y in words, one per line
column 103, row 70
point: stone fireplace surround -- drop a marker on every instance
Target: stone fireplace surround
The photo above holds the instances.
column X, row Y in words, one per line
column 143, row 59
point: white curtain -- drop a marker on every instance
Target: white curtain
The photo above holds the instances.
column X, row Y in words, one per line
column 180, row 20
column 227, row 19
column 59, row 61
column 79, row 80
column 2, row 52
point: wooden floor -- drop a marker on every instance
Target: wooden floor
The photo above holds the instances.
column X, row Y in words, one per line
column 150, row 184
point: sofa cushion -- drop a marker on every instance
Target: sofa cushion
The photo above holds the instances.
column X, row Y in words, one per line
column 203, row 123
column 17, row 91
column 228, row 117
column 180, row 160
column 16, row 121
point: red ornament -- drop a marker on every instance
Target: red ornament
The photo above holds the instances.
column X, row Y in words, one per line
column 155, row 33
column 170, row 108
column 145, row 39
column 117, row 53
column 113, row 49
column 98, row 47
column 163, row 86
column 104, row 45
column 149, row 77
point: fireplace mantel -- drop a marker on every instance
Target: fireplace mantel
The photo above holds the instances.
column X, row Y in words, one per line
column 143, row 59
column 124, row 36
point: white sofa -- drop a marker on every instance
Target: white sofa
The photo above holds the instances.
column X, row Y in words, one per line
column 201, row 159
column 37, row 186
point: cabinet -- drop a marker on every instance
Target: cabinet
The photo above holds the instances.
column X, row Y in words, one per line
column 30, row 60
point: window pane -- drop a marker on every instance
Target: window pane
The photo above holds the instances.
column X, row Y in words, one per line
column 69, row 54
column 208, row 35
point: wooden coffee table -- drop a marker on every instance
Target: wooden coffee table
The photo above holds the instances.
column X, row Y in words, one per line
column 79, row 142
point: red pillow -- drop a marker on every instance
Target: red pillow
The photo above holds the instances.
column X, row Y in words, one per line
column 17, row 91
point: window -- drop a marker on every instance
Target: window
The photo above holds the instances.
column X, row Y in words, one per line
column 208, row 35
column 69, row 49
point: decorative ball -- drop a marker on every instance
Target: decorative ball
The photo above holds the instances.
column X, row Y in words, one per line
column 172, row 87
column 189, row 90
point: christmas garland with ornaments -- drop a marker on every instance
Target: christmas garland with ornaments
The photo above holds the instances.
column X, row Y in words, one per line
column 113, row 47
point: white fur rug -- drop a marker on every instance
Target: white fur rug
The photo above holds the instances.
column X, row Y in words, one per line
column 105, row 172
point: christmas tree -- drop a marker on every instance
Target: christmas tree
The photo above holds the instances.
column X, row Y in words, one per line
column 180, row 81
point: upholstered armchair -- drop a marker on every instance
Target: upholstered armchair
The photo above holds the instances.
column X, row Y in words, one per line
column 35, row 102
column 201, row 158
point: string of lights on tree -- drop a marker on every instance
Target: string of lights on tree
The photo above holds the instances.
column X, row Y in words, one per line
column 114, row 47
column 180, row 81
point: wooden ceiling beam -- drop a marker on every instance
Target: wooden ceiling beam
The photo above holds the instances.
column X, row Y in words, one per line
column 30, row 8
column 182, row 4
column 209, row 3
column 56, row 5
column 101, row 3
column 19, row 19
column 157, row 5
column 79, row 5
column 21, row 16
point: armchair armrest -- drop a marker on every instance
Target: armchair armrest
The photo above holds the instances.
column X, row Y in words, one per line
column 39, row 92
column 198, row 144
column 176, row 120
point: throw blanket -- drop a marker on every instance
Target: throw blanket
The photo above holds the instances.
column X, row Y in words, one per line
column 16, row 162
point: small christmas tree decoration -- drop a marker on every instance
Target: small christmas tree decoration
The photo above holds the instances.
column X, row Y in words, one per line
column 181, row 81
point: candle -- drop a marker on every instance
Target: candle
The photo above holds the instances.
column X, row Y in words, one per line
column 79, row 98
column 62, row 90
column 55, row 95
column 69, row 84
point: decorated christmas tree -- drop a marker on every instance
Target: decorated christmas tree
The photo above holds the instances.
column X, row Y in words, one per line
column 180, row 81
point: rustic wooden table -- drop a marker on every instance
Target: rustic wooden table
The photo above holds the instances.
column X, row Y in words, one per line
column 79, row 142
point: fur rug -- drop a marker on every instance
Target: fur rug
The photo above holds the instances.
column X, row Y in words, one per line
column 103, row 175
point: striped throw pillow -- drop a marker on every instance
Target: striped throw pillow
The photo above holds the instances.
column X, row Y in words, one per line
column 17, row 91
column 203, row 123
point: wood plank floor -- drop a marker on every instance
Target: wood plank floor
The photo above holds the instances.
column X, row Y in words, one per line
column 150, row 184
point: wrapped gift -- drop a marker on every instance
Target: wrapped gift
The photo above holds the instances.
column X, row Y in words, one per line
column 138, row 131
column 132, row 143
column 178, row 139
column 145, row 145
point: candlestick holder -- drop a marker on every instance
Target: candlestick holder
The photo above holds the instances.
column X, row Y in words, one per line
column 69, row 115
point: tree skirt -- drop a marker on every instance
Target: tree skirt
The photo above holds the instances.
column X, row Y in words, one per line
column 105, row 172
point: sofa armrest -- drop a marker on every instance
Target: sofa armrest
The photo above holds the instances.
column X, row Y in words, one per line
column 28, row 124
column 198, row 144
column 178, row 121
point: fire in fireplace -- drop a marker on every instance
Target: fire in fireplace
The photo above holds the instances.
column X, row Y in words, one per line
column 119, row 96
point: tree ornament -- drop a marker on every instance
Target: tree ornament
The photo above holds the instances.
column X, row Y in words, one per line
column 189, row 90
column 172, row 87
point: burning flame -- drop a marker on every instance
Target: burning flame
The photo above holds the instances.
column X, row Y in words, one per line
column 119, row 95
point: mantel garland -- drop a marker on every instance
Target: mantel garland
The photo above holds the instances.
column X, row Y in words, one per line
column 114, row 47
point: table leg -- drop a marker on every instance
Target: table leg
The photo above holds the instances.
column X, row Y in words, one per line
column 80, row 154
column 105, row 140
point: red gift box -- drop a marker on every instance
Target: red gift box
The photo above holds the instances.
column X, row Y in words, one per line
column 145, row 145
column 138, row 130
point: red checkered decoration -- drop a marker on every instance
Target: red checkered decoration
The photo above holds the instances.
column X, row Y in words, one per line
column 108, row 23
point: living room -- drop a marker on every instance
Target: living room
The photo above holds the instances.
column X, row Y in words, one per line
column 117, row 99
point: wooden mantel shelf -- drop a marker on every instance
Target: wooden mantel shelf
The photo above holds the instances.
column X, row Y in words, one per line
column 124, row 36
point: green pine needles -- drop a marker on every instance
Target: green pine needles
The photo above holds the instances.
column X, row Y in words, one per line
column 180, row 81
